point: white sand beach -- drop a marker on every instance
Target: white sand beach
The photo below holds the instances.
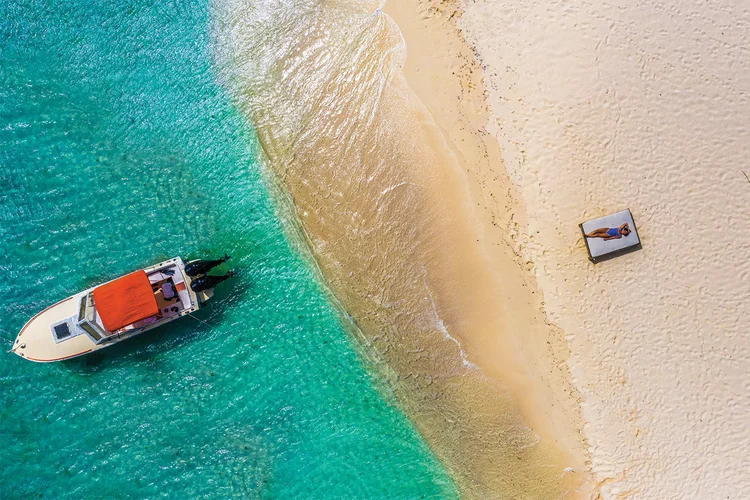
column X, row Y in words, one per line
column 604, row 106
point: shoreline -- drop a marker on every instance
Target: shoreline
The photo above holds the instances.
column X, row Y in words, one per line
column 441, row 68
column 408, row 240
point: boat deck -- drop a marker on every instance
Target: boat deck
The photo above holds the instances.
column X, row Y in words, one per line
column 181, row 297
column 36, row 334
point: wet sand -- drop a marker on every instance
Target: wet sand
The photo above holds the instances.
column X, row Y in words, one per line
column 402, row 201
column 443, row 70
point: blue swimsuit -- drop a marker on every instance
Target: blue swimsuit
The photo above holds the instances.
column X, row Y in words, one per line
column 613, row 231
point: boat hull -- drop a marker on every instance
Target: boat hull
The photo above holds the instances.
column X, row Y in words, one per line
column 35, row 342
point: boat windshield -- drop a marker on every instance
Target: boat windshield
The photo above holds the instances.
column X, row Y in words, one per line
column 82, row 308
column 95, row 333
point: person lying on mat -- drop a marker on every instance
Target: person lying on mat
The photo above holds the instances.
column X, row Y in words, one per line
column 610, row 233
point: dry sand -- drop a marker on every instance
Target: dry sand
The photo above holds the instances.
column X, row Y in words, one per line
column 599, row 107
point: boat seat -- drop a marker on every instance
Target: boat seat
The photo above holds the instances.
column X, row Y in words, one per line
column 167, row 306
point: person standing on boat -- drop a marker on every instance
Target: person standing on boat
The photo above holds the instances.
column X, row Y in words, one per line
column 610, row 233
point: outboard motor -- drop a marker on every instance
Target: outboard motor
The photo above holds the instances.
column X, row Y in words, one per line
column 203, row 283
column 199, row 267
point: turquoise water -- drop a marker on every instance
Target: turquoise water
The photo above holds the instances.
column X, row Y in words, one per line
column 117, row 149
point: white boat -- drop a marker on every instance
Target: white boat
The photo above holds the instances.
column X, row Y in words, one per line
column 118, row 310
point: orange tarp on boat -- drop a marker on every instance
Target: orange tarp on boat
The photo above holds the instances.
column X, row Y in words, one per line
column 125, row 300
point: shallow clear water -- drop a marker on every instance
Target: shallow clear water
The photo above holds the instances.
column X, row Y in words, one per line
column 117, row 149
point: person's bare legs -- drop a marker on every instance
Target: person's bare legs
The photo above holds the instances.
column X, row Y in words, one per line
column 598, row 233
